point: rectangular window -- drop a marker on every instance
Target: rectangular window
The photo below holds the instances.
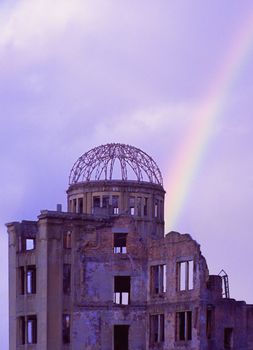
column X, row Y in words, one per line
column 31, row 329
column 209, row 321
column 184, row 325
column 31, row 279
column 29, row 243
column 67, row 240
column 105, row 202
column 132, row 205
column 66, row 329
column 120, row 240
column 26, row 243
column 96, row 202
column 139, row 205
column 156, row 208
column 115, row 205
column 156, row 328
column 145, row 207
column 228, row 338
column 21, row 330
column 158, row 279
column 21, row 280
column 185, row 275
column 66, row 279
column 74, row 205
column 80, row 206
column 121, row 337
column 122, row 290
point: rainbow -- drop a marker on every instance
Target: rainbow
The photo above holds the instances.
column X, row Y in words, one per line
column 178, row 182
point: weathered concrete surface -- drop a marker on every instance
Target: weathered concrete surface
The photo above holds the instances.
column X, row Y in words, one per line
column 165, row 311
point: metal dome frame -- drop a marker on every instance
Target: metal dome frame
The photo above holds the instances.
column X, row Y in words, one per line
column 100, row 160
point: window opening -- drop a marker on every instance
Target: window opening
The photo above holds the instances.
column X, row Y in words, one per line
column 121, row 337
column 209, row 321
column 184, row 325
column 67, row 240
column 96, row 202
column 66, row 328
column 139, row 203
column 156, row 328
column 105, row 201
column 158, row 279
column 66, row 278
column 29, row 243
column 21, row 242
column 31, row 329
column 156, row 208
column 115, row 205
column 31, row 279
column 120, row 243
column 145, row 207
column 74, row 205
column 80, row 206
column 132, row 205
column 228, row 338
column 185, row 275
column 21, row 323
column 22, row 280
column 122, row 290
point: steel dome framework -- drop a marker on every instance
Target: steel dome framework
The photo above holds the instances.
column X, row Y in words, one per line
column 99, row 164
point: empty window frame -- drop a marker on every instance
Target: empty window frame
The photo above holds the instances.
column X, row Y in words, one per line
column 228, row 338
column 80, row 205
column 21, row 280
column 158, row 279
column 120, row 333
column 156, row 328
column 31, row 279
column 209, row 321
column 67, row 240
column 145, row 207
column 74, row 205
column 120, row 240
column 21, row 330
column 66, row 328
column 27, row 279
column 184, row 325
column 96, row 202
column 115, row 205
column 139, row 206
column 185, row 275
column 27, row 329
column 29, row 243
column 156, row 208
column 105, row 201
column 66, row 279
column 122, row 290
column 31, row 329
column 26, row 243
column 132, row 205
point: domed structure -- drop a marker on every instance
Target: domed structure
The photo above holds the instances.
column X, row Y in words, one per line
column 100, row 163
column 118, row 180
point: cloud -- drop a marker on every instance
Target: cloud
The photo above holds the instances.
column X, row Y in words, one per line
column 141, row 124
column 28, row 21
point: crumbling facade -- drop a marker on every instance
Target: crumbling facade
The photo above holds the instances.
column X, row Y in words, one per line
column 102, row 276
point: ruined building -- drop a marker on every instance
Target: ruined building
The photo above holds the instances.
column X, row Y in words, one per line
column 103, row 276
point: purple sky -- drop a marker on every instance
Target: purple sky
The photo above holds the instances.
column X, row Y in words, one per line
column 77, row 74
